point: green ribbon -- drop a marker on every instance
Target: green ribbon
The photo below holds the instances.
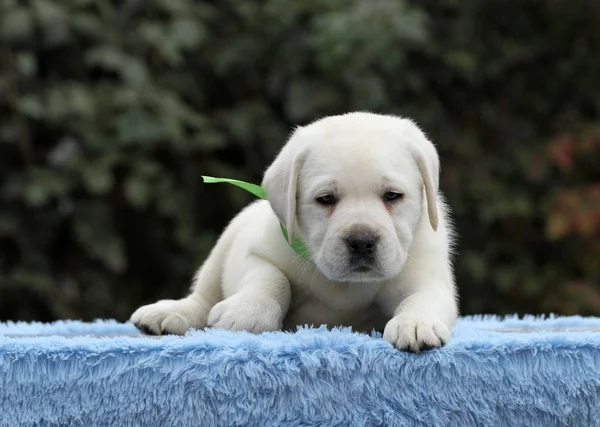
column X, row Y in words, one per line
column 297, row 244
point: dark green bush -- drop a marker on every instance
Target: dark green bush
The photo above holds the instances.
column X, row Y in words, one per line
column 110, row 112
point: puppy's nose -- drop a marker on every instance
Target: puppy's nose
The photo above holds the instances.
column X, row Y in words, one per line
column 362, row 243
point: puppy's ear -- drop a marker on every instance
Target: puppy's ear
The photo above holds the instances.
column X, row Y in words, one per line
column 281, row 182
column 428, row 162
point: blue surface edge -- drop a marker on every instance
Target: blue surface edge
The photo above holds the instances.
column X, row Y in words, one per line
column 312, row 377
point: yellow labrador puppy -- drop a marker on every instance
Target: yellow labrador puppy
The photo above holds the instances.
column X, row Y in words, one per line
column 361, row 191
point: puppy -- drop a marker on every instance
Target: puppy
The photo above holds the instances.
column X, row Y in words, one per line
column 361, row 191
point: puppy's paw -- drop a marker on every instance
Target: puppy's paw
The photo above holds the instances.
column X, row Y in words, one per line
column 409, row 332
column 171, row 317
column 242, row 313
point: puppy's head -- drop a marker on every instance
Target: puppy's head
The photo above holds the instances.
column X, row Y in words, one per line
column 353, row 185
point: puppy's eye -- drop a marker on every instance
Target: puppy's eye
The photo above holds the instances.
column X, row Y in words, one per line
column 392, row 196
column 326, row 200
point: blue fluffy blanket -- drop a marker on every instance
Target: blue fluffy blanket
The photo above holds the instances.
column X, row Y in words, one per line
column 312, row 377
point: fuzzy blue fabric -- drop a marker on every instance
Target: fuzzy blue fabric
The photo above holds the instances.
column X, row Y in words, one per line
column 312, row 377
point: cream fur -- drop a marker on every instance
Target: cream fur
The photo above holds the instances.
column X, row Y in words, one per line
column 254, row 281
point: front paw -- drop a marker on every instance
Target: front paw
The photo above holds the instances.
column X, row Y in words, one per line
column 408, row 332
column 242, row 313
column 171, row 317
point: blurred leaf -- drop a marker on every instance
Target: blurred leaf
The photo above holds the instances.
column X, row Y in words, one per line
column 186, row 33
column 87, row 23
column 138, row 191
column 44, row 184
column 140, row 127
column 32, row 106
column 26, row 64
column 98, row 178
column 53, row 19
column 130, row 68
column 16, row 24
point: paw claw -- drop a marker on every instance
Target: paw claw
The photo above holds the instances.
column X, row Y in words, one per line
column 413, row 333
column 170, row 317
column 237, row 313
column 144, row 329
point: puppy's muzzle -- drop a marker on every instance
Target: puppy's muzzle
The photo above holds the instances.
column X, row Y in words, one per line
column 362, row 246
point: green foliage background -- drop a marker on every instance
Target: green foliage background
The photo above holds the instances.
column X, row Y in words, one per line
column 111, row 110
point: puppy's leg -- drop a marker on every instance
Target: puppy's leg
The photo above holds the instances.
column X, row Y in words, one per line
column 423, row 320
column 178, row 316
column 172, row 317
column 259, row 305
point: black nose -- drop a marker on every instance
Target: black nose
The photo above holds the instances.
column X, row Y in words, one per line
column 362, row 243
